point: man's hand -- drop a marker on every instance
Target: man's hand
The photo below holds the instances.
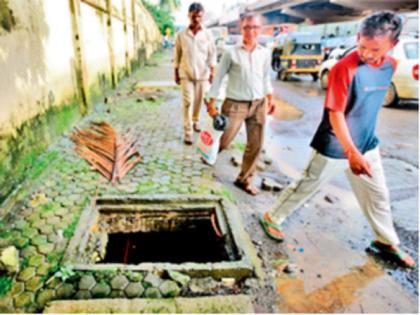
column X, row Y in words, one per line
column 211, row 109
column 177, row 78
column 358, row 164
column 211, row 77
column 271, row 105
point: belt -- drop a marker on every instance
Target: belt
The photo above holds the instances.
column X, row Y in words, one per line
column 245, row 102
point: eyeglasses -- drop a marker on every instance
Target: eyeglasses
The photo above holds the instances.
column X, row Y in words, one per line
column 251, row 27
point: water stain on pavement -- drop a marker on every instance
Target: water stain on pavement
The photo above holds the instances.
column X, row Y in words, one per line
column 333, row 297
column 286, row 111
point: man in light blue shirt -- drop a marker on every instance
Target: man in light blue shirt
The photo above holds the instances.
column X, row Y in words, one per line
column 248, row 91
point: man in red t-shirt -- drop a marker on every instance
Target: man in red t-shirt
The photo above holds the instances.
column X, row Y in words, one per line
column 345, row 139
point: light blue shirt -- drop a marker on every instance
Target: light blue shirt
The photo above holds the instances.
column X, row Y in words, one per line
column 248, row 74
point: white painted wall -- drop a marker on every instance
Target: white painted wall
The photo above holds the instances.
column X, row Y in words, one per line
column 37, row 56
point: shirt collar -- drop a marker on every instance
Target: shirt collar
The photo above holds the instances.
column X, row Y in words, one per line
column 242, row 46
column 189, row 32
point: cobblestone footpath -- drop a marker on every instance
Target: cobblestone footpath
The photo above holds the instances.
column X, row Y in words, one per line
column 42, row 222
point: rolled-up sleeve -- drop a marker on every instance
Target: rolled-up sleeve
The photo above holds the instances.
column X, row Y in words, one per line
column 221, row 71
column 177, row 51
column 268, row 87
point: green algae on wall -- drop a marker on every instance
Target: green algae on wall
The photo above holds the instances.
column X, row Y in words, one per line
column 19, row 153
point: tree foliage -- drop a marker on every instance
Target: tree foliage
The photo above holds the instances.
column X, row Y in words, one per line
column 163, row 18
column 170, row 5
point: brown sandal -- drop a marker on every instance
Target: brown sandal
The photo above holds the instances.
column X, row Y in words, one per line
column 248, row 188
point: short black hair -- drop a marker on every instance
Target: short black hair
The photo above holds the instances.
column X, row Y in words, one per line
column 382, row 23
column 196, row 7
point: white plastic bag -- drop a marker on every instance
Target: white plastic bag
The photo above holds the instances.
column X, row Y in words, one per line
column 208, row 142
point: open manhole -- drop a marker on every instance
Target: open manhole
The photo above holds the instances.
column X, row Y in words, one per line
column 199, row 236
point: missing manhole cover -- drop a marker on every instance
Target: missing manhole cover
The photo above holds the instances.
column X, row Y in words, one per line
column 196, row 244
column 200, row 236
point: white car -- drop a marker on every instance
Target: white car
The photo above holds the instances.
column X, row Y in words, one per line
column 404, row 85
column 327, row 65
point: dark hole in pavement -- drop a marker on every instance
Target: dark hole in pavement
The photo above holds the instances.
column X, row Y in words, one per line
column 196, row 242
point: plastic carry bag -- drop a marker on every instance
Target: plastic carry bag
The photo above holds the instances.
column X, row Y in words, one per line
column 209, row 141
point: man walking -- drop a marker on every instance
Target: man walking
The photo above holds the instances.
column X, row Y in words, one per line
column 346, row 140
column 248, row 90
column 194, row 62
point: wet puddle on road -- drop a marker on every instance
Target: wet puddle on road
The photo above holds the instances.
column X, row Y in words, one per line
column 286, row 111
column 333, row 297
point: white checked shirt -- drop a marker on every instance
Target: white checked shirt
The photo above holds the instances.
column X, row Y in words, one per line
column 248, row 74
column 194, row 55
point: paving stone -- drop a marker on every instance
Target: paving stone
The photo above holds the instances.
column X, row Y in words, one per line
column 152, row 293
column 43, row 270
column 26, row 274
column 54, row 220
column 203, row 285
column 101, row 290
column 152, row 280
column 20, row 224
column 55, row 283
column 39, row 240
column 61, row 212
column 119, row 282
column 29, row 251
column 62, row 225
column 17, row 288
column 135, row 276
column 134, row 289
column 87, row 282
column 169, row 288
column 5, row 242
column 47, row 229
column 53, row 237
column 34, row 284
column 21, row 242
column 179, row 277
column 6, row 305
column 24, row 299
column 30, row 232
column 65, row 291
column 45, row 248
column 36, row 260
column 34, row 217
column 39, row 224
column 83, row 295
column 45, row 296
column 117, row 294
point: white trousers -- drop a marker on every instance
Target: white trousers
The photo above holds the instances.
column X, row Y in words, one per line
column 192, row 100
column 371, row 193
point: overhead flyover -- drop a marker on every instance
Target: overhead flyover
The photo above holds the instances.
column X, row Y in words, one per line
column 313, row 11
column 328, row 11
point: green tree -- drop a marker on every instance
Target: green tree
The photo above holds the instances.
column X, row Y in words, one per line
column 170, row 5
column 164, row 18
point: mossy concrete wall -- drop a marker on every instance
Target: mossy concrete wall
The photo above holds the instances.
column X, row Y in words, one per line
column 57, row 58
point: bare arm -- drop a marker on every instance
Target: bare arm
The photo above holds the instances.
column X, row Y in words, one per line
column 177, row 58
column 358, row 164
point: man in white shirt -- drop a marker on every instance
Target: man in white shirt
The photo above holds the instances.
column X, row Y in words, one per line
column 194, row 62
column 248, row 91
